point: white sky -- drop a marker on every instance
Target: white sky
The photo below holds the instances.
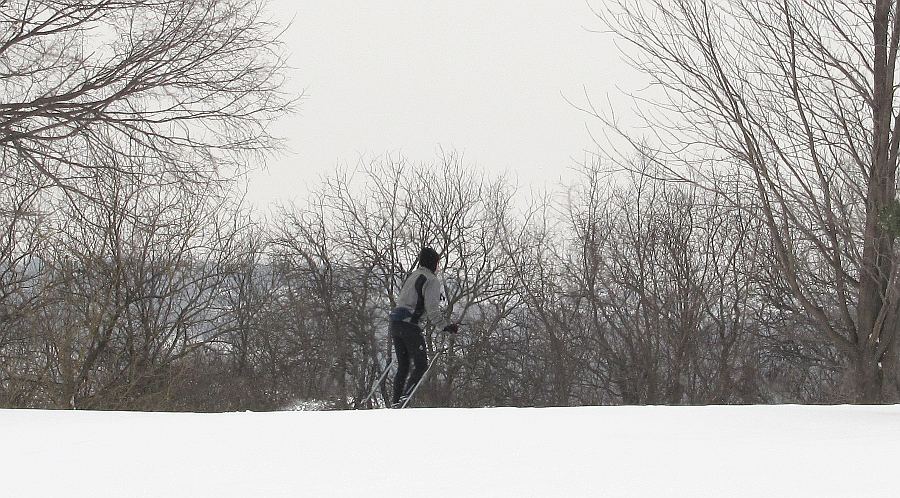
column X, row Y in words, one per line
column 410, row 76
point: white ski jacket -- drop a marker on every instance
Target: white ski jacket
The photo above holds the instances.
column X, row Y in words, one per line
column 420, row 297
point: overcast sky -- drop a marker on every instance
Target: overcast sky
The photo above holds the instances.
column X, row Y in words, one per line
column 410, row 76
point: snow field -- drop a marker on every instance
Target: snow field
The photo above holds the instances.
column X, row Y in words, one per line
column 735, row 451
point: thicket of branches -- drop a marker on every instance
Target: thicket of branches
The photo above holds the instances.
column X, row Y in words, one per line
column 798, row 100
column 623, row 290
column 122, row 125
column 741, row 253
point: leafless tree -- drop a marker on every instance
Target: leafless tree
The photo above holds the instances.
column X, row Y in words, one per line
column 172, row 90
column 351, row 247
column 547, row 333
column 121, row 126
column 325, row 303
column 22, row 240
column 661, row 281
column 798, row 99
column 129, row 292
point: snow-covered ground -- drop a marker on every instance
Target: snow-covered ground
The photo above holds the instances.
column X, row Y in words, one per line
column 790, row 451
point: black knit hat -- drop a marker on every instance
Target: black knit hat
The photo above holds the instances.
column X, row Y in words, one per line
column 428, row 258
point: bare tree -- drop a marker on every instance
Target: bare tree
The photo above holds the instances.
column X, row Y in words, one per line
column 121, row 125
column 546, row 336
column 22, row 240
column 171, row 90
column 662, row 281
column 325, row 301
column 350, row 248
column 797, row 98
column 129, row 292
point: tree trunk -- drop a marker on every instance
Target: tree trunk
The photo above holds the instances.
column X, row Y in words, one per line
column 890, row 367
column 877, row 260
column 866, row 379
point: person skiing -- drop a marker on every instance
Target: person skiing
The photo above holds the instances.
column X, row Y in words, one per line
column 419, row 298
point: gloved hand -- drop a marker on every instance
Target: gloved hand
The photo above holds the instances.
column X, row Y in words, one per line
column 452, row 328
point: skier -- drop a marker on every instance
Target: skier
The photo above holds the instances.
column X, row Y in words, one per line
column 419, row 297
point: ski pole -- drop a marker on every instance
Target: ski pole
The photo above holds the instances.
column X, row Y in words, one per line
column 377, row 382
column 424, row 376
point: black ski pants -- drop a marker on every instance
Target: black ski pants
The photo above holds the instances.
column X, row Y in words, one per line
column 409, row 345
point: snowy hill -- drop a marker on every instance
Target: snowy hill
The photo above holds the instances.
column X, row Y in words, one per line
column 791, row 451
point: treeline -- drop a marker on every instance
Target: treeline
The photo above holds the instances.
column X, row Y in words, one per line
column 619, row 289
column 737, row 245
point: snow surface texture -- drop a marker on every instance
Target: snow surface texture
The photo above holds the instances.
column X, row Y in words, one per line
column 764, row 451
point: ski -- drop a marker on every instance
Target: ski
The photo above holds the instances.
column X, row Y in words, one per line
column 377, row 383
column 405, row 402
